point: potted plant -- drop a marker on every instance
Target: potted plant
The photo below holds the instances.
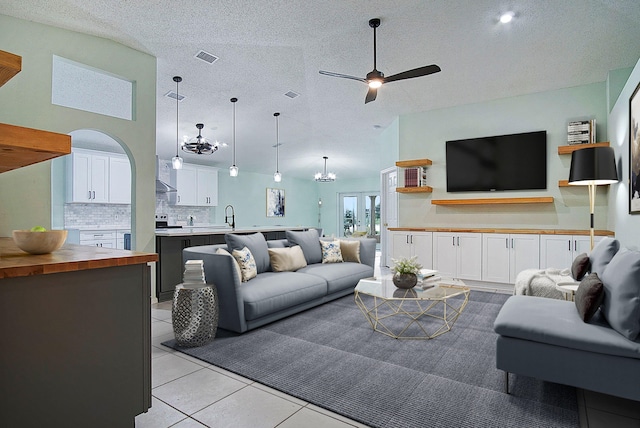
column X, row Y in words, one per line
column 405, row 272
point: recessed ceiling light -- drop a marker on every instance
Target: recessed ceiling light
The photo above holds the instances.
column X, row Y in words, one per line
column 506, row 17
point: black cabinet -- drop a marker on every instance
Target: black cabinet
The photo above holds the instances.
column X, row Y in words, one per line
column 169, row 268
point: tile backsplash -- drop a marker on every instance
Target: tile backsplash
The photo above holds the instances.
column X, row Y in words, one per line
column 82, row 215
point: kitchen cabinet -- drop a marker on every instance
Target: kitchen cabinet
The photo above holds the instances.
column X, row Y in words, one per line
column 505, row 255
column 197, row 186
column 458, row 255
column 98, row 238
column 88, row 177
column 409, row 244
column 119, row 179
column 558, row 251
column 120, row 238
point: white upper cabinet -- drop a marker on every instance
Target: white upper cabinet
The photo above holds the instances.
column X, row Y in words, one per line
column 197, row 186
column 119, row 180
column 88, row 177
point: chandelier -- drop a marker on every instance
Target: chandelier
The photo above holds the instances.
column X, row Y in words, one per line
column 324, row 176
column 200, row 145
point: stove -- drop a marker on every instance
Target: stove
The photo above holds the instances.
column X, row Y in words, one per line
column 163, row 223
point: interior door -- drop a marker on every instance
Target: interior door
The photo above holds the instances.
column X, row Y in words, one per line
column 389, row 213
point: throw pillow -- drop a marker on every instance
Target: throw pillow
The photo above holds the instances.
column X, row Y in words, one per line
column 602, row 254
column 350, row 251
column 580, row 266
column 621, row 304
column 287, row 259
column 589, row 296
column 309, row 242
column 236, row 266
column 256, row 243
column 331, row 252
column 247, row 263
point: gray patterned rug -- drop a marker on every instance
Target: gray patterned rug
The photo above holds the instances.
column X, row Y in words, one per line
column 329, row 356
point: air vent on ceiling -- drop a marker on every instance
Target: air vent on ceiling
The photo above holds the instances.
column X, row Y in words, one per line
column 206, row 57
column 292, row 94
column 173, row 96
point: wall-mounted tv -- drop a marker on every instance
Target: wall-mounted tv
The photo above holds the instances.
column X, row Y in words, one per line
column 503, row 162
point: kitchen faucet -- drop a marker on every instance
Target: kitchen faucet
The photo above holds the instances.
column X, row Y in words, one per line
column 233, row 217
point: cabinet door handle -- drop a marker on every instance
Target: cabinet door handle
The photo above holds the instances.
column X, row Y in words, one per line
column 569, row 244
column 407, row 239
column 89, row 196
column 575, row 245
column 94, row 194
column 458, row 241
column 512, row 243
column 454, row 241
column 178, row 198
column 506, row 241
column 412, row 239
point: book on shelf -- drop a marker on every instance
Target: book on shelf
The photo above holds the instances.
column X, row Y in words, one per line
column 411, row 177
column 581, row 132
column 422, row 178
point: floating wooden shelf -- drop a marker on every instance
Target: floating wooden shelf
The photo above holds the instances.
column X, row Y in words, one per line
column 565, row 183
column 25, row 146
column 421, row 189
column 10, row 65
column 413, row 162
column 493, row 201
column 567, row 150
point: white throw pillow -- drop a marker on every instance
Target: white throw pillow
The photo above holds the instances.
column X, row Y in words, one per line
column 247, row 263
column 331, row 252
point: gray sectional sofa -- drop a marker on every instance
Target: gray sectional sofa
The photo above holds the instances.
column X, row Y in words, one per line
column 274, row 295
column 547, row 338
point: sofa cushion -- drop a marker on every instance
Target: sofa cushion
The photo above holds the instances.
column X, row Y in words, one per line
column 256, row 243
column 271, row 292
column 287, row 259
column 580, row 266
column 556, row 322
column 247, row 263
column 339, row 276
column 621, row 304
column 236, row 266
column 602, row 254
column 589, row 296
column 309, row 241
column 331, row 252
column 350, row 251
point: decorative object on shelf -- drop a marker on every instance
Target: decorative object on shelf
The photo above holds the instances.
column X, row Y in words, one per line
column 233, row 169
column 375, row 78
column 200, row 145
column 277, row 177
column 194, row 313
column 405, row 272
column 176, row 162
column 634, row 151
column 324, row 176
column 581, row 132
column 39, row 241
column 275, row 202
column 591, row 167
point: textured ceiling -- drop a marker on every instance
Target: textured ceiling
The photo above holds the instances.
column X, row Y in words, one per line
column 267, row 48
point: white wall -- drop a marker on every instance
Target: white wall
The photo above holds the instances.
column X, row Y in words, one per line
column 625, row 225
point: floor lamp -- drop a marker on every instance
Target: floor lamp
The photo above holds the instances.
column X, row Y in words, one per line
column 593, row 166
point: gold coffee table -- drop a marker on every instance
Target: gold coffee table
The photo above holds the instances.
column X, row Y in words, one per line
column 413, row 313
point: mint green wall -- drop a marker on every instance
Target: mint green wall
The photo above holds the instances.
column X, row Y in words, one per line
column 626, row 226
column 26, row 101
column 423, row 135
column 389, row 142
column 616, row 80
column 247, row 193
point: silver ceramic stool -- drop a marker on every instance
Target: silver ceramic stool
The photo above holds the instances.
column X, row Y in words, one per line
column 195, row 311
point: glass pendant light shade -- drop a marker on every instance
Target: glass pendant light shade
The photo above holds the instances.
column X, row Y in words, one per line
column 233, row 169
column 176, row 162
column 277, row 177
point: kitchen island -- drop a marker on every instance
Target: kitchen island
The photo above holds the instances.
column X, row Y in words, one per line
column 171, row 242
column 76, row 334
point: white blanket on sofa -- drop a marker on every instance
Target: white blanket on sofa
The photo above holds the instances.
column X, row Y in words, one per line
column 541, row 282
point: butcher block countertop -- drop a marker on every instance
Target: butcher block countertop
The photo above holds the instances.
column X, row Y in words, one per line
column 16, row 263
column 502, row 230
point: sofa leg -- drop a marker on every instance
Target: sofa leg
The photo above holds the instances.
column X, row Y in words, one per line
column 506, row 382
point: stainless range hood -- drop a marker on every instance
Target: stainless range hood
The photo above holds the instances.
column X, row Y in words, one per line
column 161, row 186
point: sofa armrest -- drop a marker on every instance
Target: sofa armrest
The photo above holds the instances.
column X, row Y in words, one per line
column 219, row 270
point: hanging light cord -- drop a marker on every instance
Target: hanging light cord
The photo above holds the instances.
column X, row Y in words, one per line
column 178, row 80
column 277, row 143
column 233, row 100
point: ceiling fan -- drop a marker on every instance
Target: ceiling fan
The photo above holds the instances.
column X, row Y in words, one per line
column 376, row 78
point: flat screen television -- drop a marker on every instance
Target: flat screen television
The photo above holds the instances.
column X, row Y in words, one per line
column 503, row 162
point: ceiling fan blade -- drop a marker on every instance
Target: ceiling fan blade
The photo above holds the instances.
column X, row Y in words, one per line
column 344, row 76
column 371, row 95
column 416, row 72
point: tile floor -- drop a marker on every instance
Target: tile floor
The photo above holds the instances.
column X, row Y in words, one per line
column 189, row 393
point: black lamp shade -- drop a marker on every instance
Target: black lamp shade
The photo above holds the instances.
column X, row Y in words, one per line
column 593, row 165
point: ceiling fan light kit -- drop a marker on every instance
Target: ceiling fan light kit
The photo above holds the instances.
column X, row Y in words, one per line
column 233, row 169
column 200, row 145
column 375, row 79
column 324, row 176
column 176, row 162
column 277, row 177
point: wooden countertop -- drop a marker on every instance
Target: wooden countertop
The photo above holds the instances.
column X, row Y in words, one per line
column 502, row 230
column 16, row 263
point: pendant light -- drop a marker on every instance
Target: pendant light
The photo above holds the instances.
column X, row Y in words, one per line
column 277, row 177
column 324, row 176
column 233, row 169
column 176, row 162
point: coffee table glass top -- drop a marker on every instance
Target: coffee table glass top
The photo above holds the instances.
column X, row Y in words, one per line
column 384, row 287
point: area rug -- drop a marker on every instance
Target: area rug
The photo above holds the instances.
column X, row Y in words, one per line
column 329, row 356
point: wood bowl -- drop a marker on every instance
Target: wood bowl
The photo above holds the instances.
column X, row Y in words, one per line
column 39, row 242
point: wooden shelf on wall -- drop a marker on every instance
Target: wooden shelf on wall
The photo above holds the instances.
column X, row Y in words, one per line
column 567, row 150
column 25, row 146
column 421, row 189
column 413, row 162
column 10, row 65
column 565, row 183
column 494, row 201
